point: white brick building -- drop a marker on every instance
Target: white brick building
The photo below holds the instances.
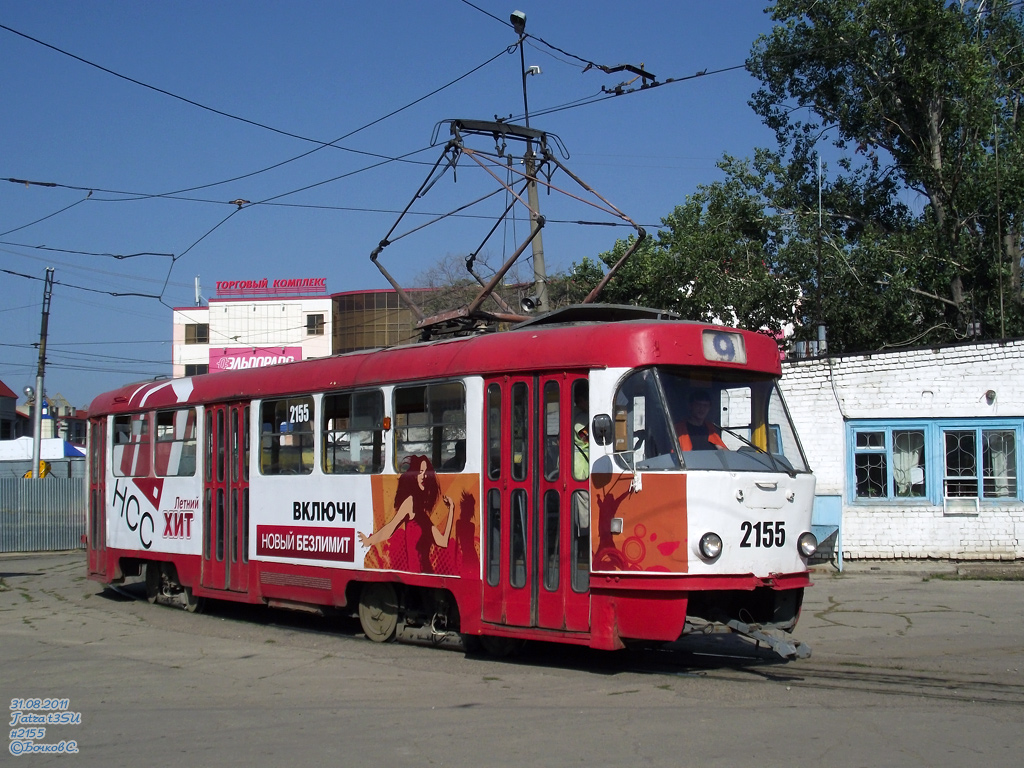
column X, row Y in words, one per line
column 917, row 451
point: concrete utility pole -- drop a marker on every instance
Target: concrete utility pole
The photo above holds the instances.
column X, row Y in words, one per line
column 540, row 275
column 37, row 411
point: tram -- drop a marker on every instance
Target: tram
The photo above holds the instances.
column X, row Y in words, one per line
column 584, row 477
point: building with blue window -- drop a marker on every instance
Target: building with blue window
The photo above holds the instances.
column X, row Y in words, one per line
column 916, row 451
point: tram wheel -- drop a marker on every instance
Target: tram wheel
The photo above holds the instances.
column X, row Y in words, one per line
column 152, row 581
column 190, row 602
column 378, row 611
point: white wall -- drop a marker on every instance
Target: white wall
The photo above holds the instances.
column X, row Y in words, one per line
column 947, row 382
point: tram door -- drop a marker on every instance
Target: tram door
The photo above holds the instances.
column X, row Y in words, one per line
column 536, row 538
column 97, row 533
column 226, row 498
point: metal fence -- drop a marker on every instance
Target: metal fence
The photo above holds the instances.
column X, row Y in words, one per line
column 42, row 515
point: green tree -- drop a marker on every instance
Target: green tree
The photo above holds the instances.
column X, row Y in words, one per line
column 714, row 259
column 927, row 91
column 749, row 250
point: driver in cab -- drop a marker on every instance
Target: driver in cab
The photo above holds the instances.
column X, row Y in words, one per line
column 696, row 432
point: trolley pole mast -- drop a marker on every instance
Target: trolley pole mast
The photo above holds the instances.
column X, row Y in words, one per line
column 540, row 276
column 37, row 411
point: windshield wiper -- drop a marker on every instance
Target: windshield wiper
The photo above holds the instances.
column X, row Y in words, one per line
column 771, row 457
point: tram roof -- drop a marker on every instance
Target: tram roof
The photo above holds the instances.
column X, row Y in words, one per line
column 556, row 343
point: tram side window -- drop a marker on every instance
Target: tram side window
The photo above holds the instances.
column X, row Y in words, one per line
column 353, row 433
column 286, row 436
column 131, row 446
column 642, row 437
column 552, row 443
column 430, row 420
column 493, row 432
column 176, row 443
column 581, row 541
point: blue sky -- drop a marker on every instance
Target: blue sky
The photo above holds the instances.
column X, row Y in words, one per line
column 318, row 70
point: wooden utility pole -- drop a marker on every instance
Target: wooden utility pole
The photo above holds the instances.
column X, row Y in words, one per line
column 37, row 411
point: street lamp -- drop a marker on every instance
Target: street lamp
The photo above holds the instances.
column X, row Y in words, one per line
column 518, row 19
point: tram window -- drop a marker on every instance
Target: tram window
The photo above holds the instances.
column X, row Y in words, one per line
column 494, row 432
column 131, row 448
column 580, row 541
column 245, row 444
column 742, row 413
column 353, row 433
column 552, row 522
column 234, row 445
column 220, row 525
column 642, row 436
column 245, row 525
column 286, row 438
column 580, row 429
column 493, row 537
column 430, row 420
column 234, row 525
column 517, row 552
column 176, row 443
column 209, row 446
column 552, row 414
column 207, row 523
column 220, row 446
column 520, row 431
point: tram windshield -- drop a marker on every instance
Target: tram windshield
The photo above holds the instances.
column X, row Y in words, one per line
column 682, row 418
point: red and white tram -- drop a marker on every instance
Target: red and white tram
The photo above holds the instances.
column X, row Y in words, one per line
column 569, row 480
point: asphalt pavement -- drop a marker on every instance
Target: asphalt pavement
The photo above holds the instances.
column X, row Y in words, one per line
column 911, row 666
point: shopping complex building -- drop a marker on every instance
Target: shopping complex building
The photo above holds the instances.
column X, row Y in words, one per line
column 255, row 323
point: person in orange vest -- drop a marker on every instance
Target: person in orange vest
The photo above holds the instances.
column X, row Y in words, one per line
column 697, row 433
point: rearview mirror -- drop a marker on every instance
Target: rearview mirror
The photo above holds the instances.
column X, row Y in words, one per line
column 602, row 429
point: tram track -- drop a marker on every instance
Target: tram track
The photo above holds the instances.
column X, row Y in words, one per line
column 729, row 660
column 900, row 683
column 809, row 675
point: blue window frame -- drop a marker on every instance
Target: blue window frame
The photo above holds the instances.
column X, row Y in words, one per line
column 929, row 461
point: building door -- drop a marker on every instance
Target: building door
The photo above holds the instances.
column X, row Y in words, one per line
column 529, row 535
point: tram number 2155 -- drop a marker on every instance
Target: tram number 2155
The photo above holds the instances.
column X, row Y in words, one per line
column 766, row 534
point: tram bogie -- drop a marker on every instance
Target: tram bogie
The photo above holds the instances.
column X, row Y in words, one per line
column 590, row 483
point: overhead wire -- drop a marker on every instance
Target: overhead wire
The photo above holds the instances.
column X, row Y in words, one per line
column 118, row 256
column 118, row 294
column 48, row 216
column 77, row 267
column 273, row 200
column 255, row 123
column 54, row 349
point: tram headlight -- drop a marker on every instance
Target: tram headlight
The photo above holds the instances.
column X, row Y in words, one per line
column 710, row 546
column 807, row 544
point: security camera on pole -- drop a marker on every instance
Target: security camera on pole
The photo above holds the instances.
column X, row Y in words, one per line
column 540, row 277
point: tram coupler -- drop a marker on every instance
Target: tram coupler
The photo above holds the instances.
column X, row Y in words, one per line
column 781, row 642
